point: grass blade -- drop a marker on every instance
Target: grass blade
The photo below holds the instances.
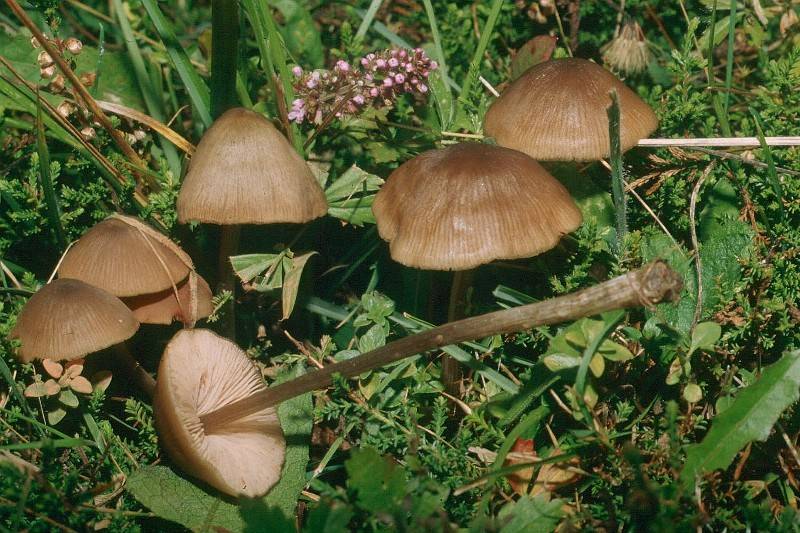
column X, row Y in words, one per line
column 772, row 174
column 474, row 65
column 195, row 86
column 50, row 198
column 367, row 19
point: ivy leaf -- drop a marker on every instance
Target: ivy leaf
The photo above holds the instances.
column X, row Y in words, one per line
column 750, row 417
column 531, row 515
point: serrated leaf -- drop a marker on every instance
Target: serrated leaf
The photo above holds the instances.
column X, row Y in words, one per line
column 750, row 418
column 531, row 515
column 705, row 336
column 291, row 283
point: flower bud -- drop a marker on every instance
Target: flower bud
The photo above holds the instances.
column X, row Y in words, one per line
column 73, row 45
column 34, row 42
column 88, row 78
column 47, row 72
column 44, row 59
column 88, row 133
column 57, row 84
column 65, row 109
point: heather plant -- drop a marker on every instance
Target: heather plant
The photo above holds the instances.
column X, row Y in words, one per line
column 672, row 416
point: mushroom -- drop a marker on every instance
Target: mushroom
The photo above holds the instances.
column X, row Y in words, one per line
column 556, row 111
column 68, row 319
column 191, row 302
column 200, row 373
column 466, row 205
column 245, row 172
column 126, row 257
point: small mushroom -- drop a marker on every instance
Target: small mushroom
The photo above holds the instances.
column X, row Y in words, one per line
column 200, row 373
column 191, row 302
column 556, row 111
column 465, row 206
column 67, row 319
column 245, row 172
column 126, row 257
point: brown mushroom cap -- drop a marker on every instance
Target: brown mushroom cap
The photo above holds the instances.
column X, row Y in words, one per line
column 469, row 204
column 126, row 257
column 199, row 373
column 67, row 319
column 192, row 304
column 557, row 111
column 245, row 172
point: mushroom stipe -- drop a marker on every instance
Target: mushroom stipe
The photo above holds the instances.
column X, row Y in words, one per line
column 651, row 284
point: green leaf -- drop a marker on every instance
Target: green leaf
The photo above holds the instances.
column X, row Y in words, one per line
column 535, row 51
column 379, row 484
column 174, row 498
column 198, row 91
column 531, row 515
column 249, row 266
column 68, row 398
column 291, row 283
column 692, row 393
column 705, row 336
column 351, row 195
column 299, row 32
column 375, row 337
column 56, row 415
column 750, row 418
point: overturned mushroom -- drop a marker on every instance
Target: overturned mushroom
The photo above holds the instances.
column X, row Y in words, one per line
column 240, row 454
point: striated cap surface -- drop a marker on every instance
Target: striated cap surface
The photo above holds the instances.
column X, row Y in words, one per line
column 469, row 204
column 245, row 172
column 557, row 111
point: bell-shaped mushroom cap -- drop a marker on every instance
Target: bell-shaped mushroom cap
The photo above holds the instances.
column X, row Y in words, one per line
column 67, row 319
column 557, row 111
column 126, row 257
column 199, row 373
column 192, row 303
column 469, row 204
column 245, row 172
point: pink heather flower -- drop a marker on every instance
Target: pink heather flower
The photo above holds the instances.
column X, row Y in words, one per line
column 373, row 92
column 422, row 88
column 393, row 62
column 343, row 66
column 387, row 82
column 380, row 64
column 364, row 61
column 297, row 71
column 399, row 78
column 358, row 99
column 409, row 67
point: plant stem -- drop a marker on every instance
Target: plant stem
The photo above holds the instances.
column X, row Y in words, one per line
column 451, row 369
column 617, row 186
column 224, row 55
column 647, row 286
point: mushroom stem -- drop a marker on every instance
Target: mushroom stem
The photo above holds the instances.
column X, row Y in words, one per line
column 451, row 369
column 132, row 368
column 228, row 246
column 651, row 284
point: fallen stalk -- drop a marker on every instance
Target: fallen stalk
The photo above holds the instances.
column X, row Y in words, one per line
column 709, row 142
column 653, row 283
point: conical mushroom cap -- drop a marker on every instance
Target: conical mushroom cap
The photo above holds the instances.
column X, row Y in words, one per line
column 557, row 111
column 199, row 373
column 192, row 304
column 126, row 257
column 469, row 204
column 67, row 319
column 245, row 172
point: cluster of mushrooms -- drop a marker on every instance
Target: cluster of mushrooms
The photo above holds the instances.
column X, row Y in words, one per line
column 450, row 209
